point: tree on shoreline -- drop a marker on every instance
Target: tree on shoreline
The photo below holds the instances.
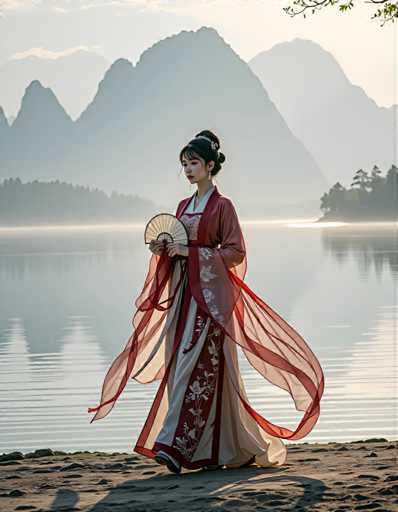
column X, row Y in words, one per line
column 58, row 202
column 369, row 197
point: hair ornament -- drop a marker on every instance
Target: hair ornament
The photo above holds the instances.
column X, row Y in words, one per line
column 214, row 145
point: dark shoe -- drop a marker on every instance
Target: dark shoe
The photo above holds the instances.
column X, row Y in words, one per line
column 165, row 460
column 249, row 462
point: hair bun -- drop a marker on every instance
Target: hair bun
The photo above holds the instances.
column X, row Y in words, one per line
column 221, row 157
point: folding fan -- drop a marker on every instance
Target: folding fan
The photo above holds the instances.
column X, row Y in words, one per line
column 166, row 227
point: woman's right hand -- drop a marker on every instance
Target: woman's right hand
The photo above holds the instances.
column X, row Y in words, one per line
column 156, row 246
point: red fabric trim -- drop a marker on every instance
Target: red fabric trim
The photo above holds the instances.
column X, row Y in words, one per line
column 217, row 422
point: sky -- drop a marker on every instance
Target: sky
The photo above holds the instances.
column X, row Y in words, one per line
column 366, row 51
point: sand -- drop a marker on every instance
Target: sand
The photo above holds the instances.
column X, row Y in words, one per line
column 333, row 477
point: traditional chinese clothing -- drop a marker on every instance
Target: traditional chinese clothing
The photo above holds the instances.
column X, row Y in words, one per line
column 191, row 315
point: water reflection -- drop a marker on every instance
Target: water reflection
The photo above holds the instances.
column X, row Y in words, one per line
column 68, row 297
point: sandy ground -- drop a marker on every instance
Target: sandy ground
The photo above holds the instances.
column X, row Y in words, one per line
column 333, row 477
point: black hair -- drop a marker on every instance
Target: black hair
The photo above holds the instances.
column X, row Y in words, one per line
column 204, row 148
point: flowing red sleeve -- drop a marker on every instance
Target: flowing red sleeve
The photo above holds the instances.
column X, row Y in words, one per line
column 142, row 358
column 272, row 346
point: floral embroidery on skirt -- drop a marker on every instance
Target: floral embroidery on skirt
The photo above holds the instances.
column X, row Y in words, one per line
column 199, row 395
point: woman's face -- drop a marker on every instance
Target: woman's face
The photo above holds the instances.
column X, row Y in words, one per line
column 195, row 168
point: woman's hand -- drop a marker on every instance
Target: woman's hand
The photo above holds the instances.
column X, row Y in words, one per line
column 156, row 246
column 175, row 248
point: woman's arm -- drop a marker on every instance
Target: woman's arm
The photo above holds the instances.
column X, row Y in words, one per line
column 232, row 246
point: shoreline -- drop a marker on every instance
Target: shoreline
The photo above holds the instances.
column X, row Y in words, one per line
column 141, row 224
column 332, row 476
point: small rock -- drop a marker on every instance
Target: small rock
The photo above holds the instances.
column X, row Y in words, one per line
column 115, row 465
column 360, row 497
column 74, row 465
column 9, row 462
column 15, row 493
column 41, row 452
column 368, row 506
column 11, row 456
column 387, row 491
column 131, row 459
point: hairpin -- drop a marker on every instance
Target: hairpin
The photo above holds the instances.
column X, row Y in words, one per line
column 214, row 145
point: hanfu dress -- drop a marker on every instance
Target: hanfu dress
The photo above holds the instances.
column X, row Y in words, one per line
column 192, row 315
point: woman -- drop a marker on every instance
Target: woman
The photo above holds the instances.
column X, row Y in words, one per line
column 193, row 311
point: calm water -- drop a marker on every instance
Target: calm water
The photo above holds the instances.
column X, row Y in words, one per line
column 67, row 300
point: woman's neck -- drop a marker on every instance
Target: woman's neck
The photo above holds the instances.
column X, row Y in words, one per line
column 203, row 188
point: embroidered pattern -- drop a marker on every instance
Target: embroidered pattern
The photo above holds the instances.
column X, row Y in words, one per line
column 192, row 225
column 200, row 324
column 209, row 296
column 205, row 252
column 200, row 393
column 206, row 274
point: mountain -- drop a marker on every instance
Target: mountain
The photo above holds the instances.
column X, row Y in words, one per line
column 340, row 125
column 73, row 78
column 130, row 135
column 38, row 137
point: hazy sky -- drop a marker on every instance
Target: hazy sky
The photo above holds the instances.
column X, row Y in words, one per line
column 124, row 28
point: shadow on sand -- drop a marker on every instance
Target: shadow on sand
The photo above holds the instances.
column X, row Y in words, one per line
column 204, row 490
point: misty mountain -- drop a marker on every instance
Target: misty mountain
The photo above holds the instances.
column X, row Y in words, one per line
column 130, row 135
column 73, row 78
column 340, row 125
column 39, row 136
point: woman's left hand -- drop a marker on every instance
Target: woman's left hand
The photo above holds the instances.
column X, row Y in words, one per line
column 175, row 248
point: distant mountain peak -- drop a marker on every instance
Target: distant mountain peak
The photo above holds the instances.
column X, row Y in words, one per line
column 39, row 102
column 194, row 37
column 115, row 84
column 121, row 68
column 120, row 64
column 305, row 58
column 35, row 90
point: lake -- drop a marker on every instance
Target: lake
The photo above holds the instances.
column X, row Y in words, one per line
column 67, row 300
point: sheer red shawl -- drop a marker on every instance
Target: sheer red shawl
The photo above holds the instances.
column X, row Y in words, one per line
column 216, row 268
